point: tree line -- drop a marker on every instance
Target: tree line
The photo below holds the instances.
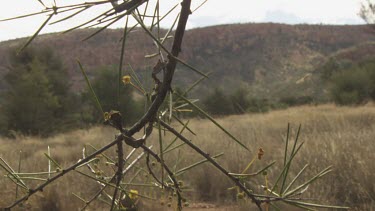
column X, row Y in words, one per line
column 39, row 99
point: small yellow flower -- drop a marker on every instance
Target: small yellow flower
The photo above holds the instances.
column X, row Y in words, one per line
column 107, row 116
column 240, row 195
column 133, row 194
column 126, row 79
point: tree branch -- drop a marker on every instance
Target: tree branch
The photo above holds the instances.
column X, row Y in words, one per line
column 169, row 71
column 119, row 138
column 213, row 162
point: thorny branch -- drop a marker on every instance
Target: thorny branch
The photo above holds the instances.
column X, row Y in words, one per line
column 64, row 171
column 170, row 173
column 149, row 117
column 120, row 165
column 213, row 162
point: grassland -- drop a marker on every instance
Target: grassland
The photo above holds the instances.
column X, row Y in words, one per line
column 340, row 136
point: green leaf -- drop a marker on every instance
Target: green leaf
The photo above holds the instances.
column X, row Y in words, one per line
column 213, row 121
column 91, row 89
column 183, row 170
column 10, row 171
column 319, row 175
column 316, row 205
column 285, row 174
column 24, row 16
column 119, row 85
column 256, row 173
column 295, row 178
column 175, row 139
column 164, row 48
column 71, row 16
column 104, row 27
column 282, row 174
column 52, row 160
column 40, row 1
column 36, row 33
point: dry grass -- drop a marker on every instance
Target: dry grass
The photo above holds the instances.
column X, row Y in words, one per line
column 340, row 136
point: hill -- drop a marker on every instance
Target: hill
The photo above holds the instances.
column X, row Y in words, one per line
column 270, row 60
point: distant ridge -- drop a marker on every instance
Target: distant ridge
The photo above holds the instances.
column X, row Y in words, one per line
column 267, row 58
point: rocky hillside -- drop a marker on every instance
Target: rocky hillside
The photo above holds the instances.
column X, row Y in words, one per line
column 269, row 59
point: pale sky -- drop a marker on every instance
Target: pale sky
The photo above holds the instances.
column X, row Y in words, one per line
column 214, row 12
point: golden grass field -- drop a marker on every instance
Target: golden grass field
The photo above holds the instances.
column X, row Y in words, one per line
column 340, row 136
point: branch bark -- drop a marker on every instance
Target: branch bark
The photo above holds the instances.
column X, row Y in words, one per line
column 170, row 68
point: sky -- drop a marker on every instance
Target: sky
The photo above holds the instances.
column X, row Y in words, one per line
column 213, row 12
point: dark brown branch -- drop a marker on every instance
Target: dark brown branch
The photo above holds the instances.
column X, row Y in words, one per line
column 170, row 68
column 170, row 173
column 128, row 5
column 120, row 165
column 150, row 170
column 213, row 162
column 97, row 194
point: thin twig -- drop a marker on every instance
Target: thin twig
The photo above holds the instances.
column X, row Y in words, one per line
column 170, row 68
column 170, row 173
column 120, row 165
column 213, row 162
column 119, row 138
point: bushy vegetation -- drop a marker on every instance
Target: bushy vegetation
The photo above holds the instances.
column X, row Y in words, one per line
column 39, row 99
column 354, row 84
column 104, row 84
column 239, row 102
column 254, row 53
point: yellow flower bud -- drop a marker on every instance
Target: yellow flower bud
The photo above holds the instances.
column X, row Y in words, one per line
column 126, row 79
column 107, row 116
column 240, row 195
column 133, row 194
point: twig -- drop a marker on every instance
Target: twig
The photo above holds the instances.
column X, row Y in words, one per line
column 170, row 68
column 150, row 170
column 119, row 138
column 213, row 162
column 120, row 165
column 170, row 173
column 104, row 186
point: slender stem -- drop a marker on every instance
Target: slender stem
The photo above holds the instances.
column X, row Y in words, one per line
column 63, row 172
column 213, row 162
column 120, row 165
column 170, row 173
column 170, row 68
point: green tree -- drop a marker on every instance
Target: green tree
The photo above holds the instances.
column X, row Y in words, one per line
column 30, row 103
column 38, row 100
column 105, row 86
column 240, row 100
column 217, row 103
column 352, row 86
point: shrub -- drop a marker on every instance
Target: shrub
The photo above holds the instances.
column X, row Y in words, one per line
column 352, row 86
column 258, row 105
column 38, row 100
column 104, row 84
column 240, row 101
column 295, row 101
column 217, row 103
